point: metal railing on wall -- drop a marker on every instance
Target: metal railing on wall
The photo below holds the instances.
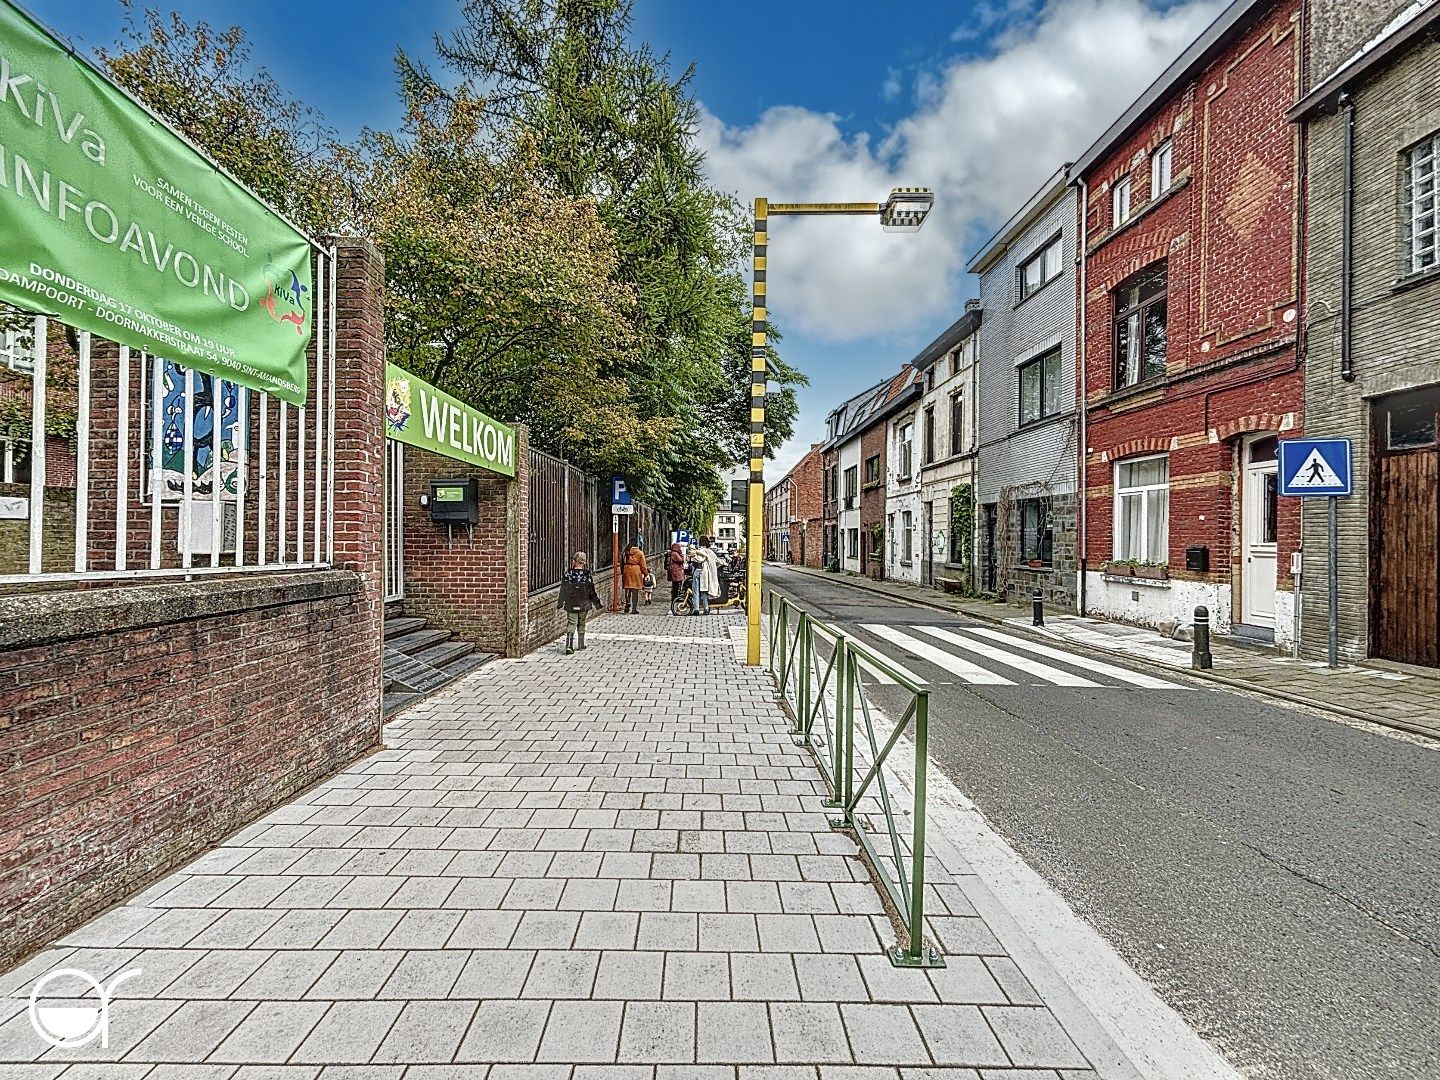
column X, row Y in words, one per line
column 818, row 669
column 162, row 470
column 570, row 512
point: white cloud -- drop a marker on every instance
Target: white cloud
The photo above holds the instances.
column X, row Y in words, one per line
column 986, row 132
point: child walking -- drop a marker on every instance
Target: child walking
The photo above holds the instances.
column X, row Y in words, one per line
column 577, row 598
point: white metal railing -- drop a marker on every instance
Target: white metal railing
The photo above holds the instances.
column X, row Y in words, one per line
column 394, row 520
column 269, row 504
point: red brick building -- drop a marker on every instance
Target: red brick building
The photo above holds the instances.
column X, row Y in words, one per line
column 794, row 519
column 1189, row 303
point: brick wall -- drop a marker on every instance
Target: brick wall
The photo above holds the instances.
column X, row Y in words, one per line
column 872, row 500
column 462, row 579
column 1229, row 229
column 140, row 724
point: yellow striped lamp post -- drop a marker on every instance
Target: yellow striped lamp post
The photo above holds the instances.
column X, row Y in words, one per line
column 904, row 211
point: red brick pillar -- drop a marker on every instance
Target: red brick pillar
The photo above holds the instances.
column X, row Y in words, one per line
column 360, row 435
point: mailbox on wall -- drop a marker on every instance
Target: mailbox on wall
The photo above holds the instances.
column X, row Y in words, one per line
column 455, row 502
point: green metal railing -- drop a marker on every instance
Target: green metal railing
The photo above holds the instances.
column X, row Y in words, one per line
column 818, row 670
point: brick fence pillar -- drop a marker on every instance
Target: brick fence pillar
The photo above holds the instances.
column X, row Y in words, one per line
column 360, row 434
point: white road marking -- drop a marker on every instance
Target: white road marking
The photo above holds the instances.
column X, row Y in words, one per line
column 1135, row 678
column 971, row 673
column 1023, row 663
column 880, row 676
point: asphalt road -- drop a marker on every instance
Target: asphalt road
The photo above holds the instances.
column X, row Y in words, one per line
column 1273, row 874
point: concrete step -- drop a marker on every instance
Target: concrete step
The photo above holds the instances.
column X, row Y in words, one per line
column 417, row 640
column 395, row 700
column 403, row 624
column 440, row 656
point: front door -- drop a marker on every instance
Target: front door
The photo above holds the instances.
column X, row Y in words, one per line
column 991, row 559
column 1258, row 522
column 927, row 574
column 1405, row 529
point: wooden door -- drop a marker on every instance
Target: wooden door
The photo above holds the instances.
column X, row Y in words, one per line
column 1405, row 583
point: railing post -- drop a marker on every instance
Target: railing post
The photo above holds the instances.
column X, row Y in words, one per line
column 804, row 645
column 916, row 954
column 837, row 674
column 847, row 798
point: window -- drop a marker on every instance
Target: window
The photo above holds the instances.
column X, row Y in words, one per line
column 907, row 537
column 957, row 422
column 1120, row 203
column 907, row 451
column 17, row 351
column 852, row 486
column 1040, row 269
column 929, row 434
column 1422, row 205
column 1040, row 391
column 1140, row 327
column 1037, row 533
column 872, row 470
column 1410, row 419
column 1142, row 510
column 1161, row 164
column 14, row 462
column 853, row 542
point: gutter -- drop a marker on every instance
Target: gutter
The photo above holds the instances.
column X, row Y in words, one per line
column 1082, row 407
column 1347, row 239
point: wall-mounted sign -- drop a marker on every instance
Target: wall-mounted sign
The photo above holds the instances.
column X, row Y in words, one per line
column 116, row 225
column 419, row 414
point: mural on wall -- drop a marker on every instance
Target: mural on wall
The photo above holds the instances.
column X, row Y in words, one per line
column 172, row 439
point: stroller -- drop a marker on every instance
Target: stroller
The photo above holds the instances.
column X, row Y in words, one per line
column 732, row 590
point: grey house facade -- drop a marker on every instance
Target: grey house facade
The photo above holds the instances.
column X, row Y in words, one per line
column 1026, row 524
column 1372, row 363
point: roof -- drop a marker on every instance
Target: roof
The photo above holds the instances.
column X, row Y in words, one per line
column 850, row 411
column 957, row 332
column 1020, row 222
column 1394, row 37
column 1234, row 20
column 900, row 391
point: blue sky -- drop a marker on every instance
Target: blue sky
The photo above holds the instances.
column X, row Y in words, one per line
column 803, row 100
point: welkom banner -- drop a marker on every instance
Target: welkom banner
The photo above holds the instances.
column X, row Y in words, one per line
column 419, row 414
column 114, row 224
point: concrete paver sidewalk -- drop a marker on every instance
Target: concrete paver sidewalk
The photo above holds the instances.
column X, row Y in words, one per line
column 611, row 865
column 1381, row 694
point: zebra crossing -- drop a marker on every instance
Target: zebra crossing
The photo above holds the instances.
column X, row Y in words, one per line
column 983, row 656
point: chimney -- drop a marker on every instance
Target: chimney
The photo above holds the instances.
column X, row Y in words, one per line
column 972, row 304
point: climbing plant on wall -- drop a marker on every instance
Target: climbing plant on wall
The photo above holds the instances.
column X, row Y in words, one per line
column 962, row 526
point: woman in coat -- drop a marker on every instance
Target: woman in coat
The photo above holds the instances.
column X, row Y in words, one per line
column 675, row 572
column 632, row 578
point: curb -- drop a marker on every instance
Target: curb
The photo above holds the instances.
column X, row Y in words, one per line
column 1208, row 676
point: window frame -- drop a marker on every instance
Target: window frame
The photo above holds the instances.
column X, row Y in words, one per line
column 905, row 450
column 1139, row 310
column 1044, row 540
column 927, row 445
column 10, row 471
column 1121, row 188
column 872, row 476
column 957, row 420
column 1145, row 491
column 1057, row 354
column 1023, row 290
column 1162, row 157
column 1413, row 210
column 907, row 536
column 852, row 486
column 13, row 355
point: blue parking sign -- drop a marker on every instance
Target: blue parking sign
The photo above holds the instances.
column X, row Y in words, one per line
column 1312, row 467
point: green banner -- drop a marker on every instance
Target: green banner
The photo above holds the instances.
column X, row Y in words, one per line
column 418, row 414
column 114, row 224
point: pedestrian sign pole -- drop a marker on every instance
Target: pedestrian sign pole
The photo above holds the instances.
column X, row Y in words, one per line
column 1321, row 468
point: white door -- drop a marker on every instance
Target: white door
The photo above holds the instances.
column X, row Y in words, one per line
column 394, row 520
column 1258, row 493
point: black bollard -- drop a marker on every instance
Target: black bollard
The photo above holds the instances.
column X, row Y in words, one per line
column 1200, row 653
column 1037, row 606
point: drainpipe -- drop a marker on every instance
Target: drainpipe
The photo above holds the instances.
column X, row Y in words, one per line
column 1081, row 454
column 1347, row 238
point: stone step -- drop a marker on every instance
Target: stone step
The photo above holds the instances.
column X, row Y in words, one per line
column 440, row 656
column 403, row 624
column 418, row 640
column 395, row 700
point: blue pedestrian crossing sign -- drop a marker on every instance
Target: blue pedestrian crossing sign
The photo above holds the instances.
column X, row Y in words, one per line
column 1310, row 467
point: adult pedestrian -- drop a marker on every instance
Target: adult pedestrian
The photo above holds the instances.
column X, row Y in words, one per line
column 632, row 577
column 707, row 577
column 577, row 599
column 675, row 572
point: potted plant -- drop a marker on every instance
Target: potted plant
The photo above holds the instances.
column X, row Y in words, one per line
column 1152, row 571
column 1120, row 568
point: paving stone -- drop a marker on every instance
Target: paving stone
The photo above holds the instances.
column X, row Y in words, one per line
column 830, row 978
column 484, row 930
column 697, row 977
column 808, row 1032
column 189, row 1033
column 286, row 976
column 787, row 933
column 1017, row 988
column 546, row 930
column 668, row 930
column 348, row 1033
column 655, row 1031
column 425, row 974
column 364, row 929
column 629, row 975
column 958, row 1035
column 562, row 975
column 763, row 977
column 733, row 1032
column 356, row 975
column 423, row 929
column 884, row 1035
column 607, row 930
column 582, row 1031
column 504, row 1031
column 270, row 1033
column 426, row 1031
column 1033, row 1037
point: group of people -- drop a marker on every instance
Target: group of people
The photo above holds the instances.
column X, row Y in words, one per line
column 696, row 564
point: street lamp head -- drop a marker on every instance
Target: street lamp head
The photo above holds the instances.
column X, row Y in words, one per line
column 906, row 209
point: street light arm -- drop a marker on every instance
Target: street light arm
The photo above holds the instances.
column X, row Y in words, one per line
column 855, row 208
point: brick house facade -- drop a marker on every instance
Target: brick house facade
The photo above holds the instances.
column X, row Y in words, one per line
column 1372, row 376
column 1189, row 300
column 793, row 516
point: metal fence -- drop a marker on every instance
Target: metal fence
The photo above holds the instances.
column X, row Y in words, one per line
column 570, row 512
column 819, row 670
column 170, row 471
